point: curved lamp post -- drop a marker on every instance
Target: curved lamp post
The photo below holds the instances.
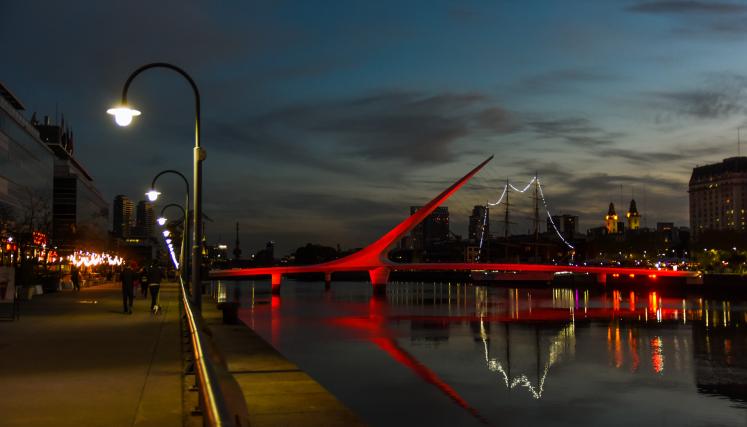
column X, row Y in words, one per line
column 123, row 115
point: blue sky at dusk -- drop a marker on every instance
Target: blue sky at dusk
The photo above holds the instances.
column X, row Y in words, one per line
column 325, row 121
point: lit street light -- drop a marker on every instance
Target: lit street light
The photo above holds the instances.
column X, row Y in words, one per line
column 153, row 195
column 123, row 115
column 185, row 229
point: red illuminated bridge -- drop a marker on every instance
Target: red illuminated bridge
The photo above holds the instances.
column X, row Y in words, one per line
column 374, row 258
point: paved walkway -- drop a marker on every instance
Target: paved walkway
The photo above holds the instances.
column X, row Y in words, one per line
column 74, row 359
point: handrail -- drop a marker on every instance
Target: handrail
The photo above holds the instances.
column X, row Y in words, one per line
column 213, row 402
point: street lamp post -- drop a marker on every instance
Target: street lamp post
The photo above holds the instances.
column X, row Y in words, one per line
column 123, row 115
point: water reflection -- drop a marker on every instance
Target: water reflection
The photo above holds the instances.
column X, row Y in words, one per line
column 655, row 352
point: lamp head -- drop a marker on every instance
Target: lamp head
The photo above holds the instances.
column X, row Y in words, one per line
column 161, row 221
column 123, row 114
column 153, row 194
column 166, row 233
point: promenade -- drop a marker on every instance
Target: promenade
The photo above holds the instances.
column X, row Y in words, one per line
column 75, row 359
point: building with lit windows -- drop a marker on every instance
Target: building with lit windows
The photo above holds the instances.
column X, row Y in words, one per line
column 80, row 212
column 145, row 220
column 26, row 182
column 567, row 225
column 122, row 216
column 434, row 228
column 718, row 197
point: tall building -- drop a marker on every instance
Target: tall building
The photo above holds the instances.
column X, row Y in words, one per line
column 567, row 225
column 610, row 220
column 81, row 215
column 718, row 196
column 479, row 223
column 145, row 220
column 26, row 176
column 434, row 228
column 122, row 218
column 42, row 186
column 634, row 218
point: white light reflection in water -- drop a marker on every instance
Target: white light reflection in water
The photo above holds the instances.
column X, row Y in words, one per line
column 564, row 341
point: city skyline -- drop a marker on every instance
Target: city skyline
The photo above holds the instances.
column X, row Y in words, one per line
column 326, row 127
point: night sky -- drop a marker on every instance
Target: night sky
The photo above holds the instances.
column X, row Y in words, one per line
column 325, row 121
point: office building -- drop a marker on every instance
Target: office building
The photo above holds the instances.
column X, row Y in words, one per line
column 122, row 216
column 434, row 228
column 567, row 225
column 145, row 221
column 718, row 196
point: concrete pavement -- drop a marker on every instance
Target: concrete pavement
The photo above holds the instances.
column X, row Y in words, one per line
column 74, row 359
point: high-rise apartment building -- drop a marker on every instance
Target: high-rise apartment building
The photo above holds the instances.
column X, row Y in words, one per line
column 122, row 216
column 567, row 225
column 718, row 196
column 434, row 228
column 479, row 223
column 145, row 220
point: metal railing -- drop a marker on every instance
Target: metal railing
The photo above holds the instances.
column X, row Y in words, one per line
column 212, row 378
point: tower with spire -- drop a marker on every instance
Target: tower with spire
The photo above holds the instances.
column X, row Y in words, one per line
column 610, row 220
column 634, row 218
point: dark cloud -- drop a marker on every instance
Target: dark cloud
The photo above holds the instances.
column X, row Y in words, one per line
column 688, row 7
column 561, row 79
column 677, row 153
column 721, row 95
column 574, row 131
column 408, row 127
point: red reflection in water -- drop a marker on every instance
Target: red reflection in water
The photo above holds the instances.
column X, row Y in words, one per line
column 406, row 359
column 657, row 354
column 275, row 319
column 375, row 328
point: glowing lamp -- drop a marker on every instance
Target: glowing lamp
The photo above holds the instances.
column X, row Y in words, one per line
column 161, row 221
column 123, row 115
column 166, row 233
column 153, row 194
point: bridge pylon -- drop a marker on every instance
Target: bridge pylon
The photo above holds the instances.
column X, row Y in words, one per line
column 379, row 279
column 327, row 280
column 276, row 278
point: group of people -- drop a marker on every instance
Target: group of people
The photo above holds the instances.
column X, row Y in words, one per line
column 148, row 278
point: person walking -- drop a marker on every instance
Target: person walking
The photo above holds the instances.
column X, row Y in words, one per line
column 128, row 292
column 144, row 282
column 154, row 284
column 75, row 277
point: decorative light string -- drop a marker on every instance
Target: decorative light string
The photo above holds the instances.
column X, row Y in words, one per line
column 92, row 259
column 171, row 252
column 544, row 203
column 482, row 232
column 555, row 227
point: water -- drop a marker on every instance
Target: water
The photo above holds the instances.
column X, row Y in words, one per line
column 449, row 354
